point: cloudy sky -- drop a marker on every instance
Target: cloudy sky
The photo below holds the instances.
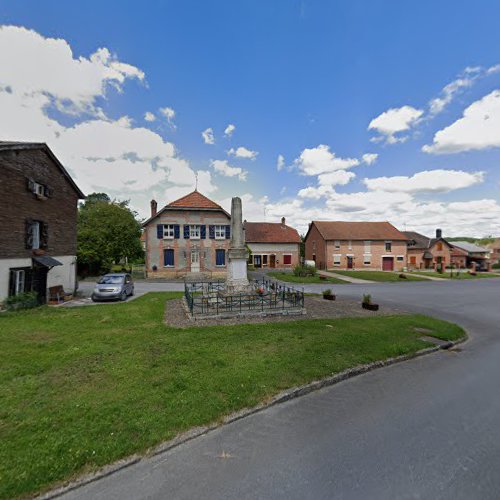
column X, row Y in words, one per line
column 359, row 110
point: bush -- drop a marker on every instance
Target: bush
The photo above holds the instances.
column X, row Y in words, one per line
column 367, row 298
column 303, row 271
column 25, row 300
column 327, row 292
column 496, row 266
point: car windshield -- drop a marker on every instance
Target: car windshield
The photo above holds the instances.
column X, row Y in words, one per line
column 111, row 280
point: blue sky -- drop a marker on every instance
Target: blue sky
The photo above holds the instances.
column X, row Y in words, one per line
column 300, row 79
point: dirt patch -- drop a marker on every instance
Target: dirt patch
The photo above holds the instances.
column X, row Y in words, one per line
column 316, row 308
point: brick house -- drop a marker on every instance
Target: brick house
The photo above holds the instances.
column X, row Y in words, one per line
column 188, row 236
column 272, row 245
column 494, row 249
column 38, row 229
column 428, row 253
column 356, row 245
column 470, row 256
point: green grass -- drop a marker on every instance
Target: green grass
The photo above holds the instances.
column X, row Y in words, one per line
column 83, row 387
column 460, row 276
column 291, row 278
column 378, row 276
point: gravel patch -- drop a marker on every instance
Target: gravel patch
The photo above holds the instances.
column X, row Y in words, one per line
column 315, row 308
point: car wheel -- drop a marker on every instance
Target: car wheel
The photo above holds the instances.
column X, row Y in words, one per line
column 123, row 296
column 92, row 298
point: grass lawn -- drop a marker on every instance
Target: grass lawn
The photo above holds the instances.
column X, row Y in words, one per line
column 378, row 276
column 461, row 276
column 291, row 278
column 83, row 387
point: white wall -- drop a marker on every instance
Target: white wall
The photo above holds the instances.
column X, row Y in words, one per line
column 60, row 275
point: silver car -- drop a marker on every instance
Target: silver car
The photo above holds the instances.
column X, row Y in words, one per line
column 115, row 286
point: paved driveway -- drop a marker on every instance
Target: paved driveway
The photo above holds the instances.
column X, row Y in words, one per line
column 428, row 428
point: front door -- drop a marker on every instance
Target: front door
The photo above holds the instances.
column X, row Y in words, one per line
column 349, row 262
column 272, row 261
column 39, row 282
column 387, row 263
column 195, row 261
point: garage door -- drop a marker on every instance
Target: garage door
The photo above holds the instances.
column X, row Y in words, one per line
column 388, row 263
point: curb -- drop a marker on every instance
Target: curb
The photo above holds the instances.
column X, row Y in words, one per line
column 281, row 397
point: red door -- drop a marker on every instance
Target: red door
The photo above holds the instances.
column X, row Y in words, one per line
column 388, row 263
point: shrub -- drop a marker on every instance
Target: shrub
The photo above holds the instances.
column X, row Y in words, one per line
column 327, row 292
column 302, row 271
column 367, row 298
column 496, row 266
column 25, row 300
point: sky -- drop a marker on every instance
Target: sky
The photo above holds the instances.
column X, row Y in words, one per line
column 306, row 109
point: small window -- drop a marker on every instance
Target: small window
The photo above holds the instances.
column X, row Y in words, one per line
column 264, row 260
column 19, row 281
column 168, row 231
column 220, row 257
column 400, row 258
column 368, row 246
column 388, row 246
column 168, row 256
column 287, row 260
column 367, row 260
column 336, row 260
column 220, row 232
column 194, row 232
column 337, row 244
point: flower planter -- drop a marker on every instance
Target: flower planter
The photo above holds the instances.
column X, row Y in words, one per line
column 370, row 307
column 329, row 297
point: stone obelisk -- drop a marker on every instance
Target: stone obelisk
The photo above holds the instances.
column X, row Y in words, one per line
column 237, row 279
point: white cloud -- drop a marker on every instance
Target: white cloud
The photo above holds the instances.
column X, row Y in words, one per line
column 149, row 117
column 228, row 132
column 243, row 152
column 425, row 181
column 394, row 121
column 478, row 129
column 254, row 209
column 33, row 65
column 320, row 160
column 208, row 136
column 369, row 158
column 280, row 163
column 438, row 104
column 169, row 114
column 222, row 167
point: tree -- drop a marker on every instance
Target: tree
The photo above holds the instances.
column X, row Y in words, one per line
column 108, row 231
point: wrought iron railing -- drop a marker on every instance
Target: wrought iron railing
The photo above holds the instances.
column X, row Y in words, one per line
column 210, row 298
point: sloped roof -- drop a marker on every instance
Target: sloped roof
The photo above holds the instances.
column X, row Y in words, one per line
column 194, row 200
column 469, row 247
column 417, row 241
column 340, row 230
column 16, row 145
column 270, row 232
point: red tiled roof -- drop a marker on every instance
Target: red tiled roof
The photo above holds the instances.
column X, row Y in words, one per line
column 338, row 230
column 270, row 232
column 194, row 200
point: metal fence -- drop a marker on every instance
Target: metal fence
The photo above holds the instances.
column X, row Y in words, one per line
column 210, row 298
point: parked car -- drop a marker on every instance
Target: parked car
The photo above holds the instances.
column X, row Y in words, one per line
column 115, row 286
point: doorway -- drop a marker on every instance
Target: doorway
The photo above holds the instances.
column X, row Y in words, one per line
column 39, row 282
column 195, row 261
column 387, row 263
column 272, row 261
column 350, row 262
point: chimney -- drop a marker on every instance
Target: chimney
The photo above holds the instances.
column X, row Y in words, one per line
column 439, row 233
column 283, row 221
column 154, row 207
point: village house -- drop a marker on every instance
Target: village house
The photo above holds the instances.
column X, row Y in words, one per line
column 428, row 253
column 467, row 255
column 494, row 249
column 356, row 245
column 187, row 236
column 38, row 229
column 272, row 245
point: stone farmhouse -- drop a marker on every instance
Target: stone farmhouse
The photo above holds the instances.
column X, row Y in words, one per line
column 428, row 253
column 272, row 245
column 356, row 245
column 38, row 229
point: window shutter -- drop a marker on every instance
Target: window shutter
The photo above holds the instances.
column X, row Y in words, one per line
column 29, row 234
column 186, row 231
column 30, row 185
column 168, row 257
column 44, row 235
column 228, row 232
column 159, row 231
column 28, row 279
column 177, row 234
column 211, row 232
column 12, row 283
column 47, row 192
column 203, row 232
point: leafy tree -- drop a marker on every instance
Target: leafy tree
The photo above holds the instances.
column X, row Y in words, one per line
column 108, row 231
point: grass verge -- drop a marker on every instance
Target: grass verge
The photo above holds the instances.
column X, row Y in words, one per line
column 84, row 387
column 291, row 278
column 382, row 276
column 456, row 276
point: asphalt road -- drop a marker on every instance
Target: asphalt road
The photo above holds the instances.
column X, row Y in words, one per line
column 425, row 429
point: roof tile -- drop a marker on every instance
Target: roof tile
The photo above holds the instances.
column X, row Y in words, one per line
column 270, row 232
column 340, row 230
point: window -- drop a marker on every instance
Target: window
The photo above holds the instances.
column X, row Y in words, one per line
column 336, row 244
column 20, row 281
column 220, row 232
column 264, row 260
column 194, row 231
column 287, row 260
column 368, row 247
column 336, row 259
column 439, row 247
column 388, row 246
column 35, row 234
column 367, row 260
column 349, row 245
column 168, row 257
column 220, row 257
column 257, row 261
column 168, row 231
column 400, row 258
column 38, row 189
column 314, row 245
column 413, row 259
